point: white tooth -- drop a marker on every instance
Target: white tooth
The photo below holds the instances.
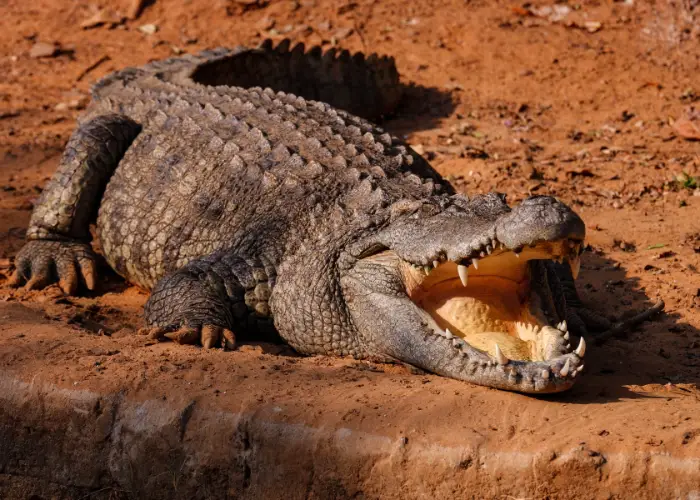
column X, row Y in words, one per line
column 463, row 274
column 579, row 369
column 575, row 265
column 568, row 346
column 581, row 349
column 476, row 263
column 426, row 270
column 436, row 263
column 545, row 374
column 516, row 254
column 565, row 371
column 500, row 357
column 566, row 336
column 564, row 327
column 448, row 334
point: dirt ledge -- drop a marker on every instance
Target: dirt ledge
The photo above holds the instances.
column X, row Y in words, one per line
column 69, row 429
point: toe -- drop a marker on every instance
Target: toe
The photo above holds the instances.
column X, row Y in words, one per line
column 184, row 335
column 42, row 268
column 88, row 271
column 17, row 279
column 228, row 340
column 67, row 276
column 211, row 336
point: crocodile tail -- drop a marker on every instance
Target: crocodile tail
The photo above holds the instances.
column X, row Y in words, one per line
column 367, row 86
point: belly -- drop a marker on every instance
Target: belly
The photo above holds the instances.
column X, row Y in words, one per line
column 161, row 209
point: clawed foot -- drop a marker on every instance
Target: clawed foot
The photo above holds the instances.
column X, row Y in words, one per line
column 41, row 263
column 208, row 336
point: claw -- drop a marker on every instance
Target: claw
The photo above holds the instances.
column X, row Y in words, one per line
column 228, row 340
column 211, row 336
column 16, row 279
column 184, row 335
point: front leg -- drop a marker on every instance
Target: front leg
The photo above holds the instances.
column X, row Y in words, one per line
column 58, row 246
column 208, row 300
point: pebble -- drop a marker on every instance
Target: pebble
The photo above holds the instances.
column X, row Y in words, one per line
column 43, row 49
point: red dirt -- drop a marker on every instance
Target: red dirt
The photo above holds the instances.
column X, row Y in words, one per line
column 506, row 101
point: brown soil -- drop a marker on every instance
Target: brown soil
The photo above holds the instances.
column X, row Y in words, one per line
column 504, row 100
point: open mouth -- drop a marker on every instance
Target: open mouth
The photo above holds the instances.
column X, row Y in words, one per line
column 493, row 300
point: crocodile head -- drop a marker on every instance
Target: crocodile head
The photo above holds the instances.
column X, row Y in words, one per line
column 472, row 289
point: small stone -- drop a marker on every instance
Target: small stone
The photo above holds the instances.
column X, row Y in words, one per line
column 343, row 33
column 266, row 23
column 105, row 16
column 148, row 29
column 43, row 49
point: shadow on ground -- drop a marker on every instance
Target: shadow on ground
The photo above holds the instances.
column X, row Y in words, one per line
column 652, row 354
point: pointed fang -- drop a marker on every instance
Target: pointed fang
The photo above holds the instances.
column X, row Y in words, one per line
column 565, row 371
column 448, row 334
column 476, row 263
column 581, row 349
column 500, row 357
column 436, row 263
column 545, row 374
column 575, row 265
column 463, row 274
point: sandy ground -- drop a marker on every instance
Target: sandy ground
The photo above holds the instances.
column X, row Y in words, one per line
column 584, row 101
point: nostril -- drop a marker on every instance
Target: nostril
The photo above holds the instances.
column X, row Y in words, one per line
column 540, row 200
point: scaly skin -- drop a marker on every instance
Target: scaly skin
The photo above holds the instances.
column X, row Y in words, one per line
column 248, row 210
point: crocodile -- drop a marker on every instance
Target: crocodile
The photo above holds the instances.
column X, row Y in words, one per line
column 251, row 192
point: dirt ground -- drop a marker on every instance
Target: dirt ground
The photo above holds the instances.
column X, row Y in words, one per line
column 594, row 102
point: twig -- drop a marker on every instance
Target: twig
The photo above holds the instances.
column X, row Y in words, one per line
column 94, row 65
column 622, row 326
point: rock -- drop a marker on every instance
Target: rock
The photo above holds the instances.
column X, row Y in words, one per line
column 43, row 49
column 266, row 23
column 343, row 33
column 104, row 16
column 687, row 129
column 148, row 29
